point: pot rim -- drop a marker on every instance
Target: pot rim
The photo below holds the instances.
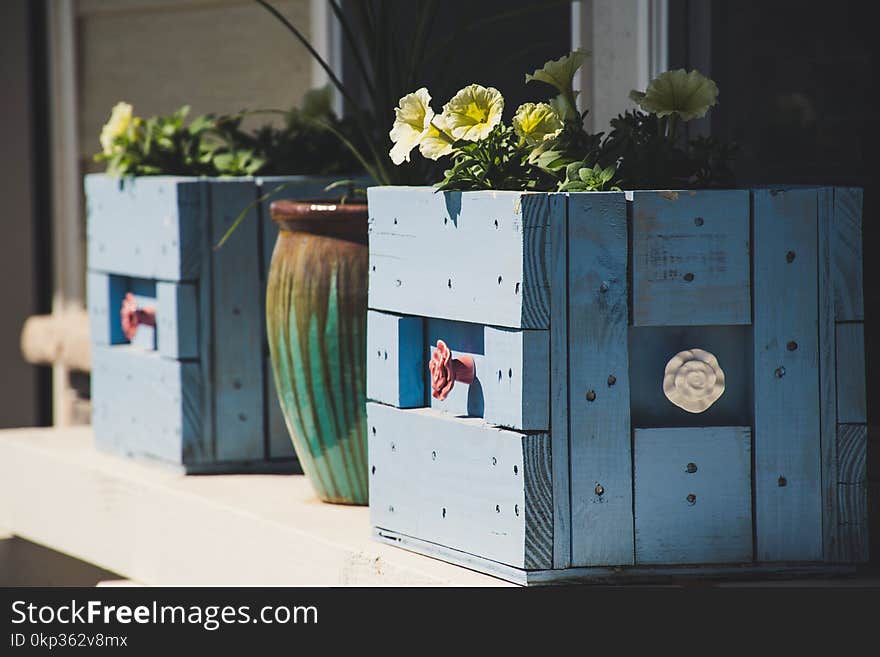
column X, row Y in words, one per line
column 284, row 211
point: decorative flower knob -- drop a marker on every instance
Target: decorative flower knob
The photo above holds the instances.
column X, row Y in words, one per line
column 446, row 370
column 131, row 316
column 693, row 380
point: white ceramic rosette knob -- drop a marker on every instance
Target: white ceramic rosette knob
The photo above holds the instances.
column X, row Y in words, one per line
column 693, row 380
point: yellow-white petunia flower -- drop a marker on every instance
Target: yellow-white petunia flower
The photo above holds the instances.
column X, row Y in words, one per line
column 536, row 122
column 435, row 143
column 473, row 112
column 560, row 72
column 412, row 118
column 689, row 95
column 117, row 124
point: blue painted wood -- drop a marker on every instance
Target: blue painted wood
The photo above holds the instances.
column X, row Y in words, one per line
column 104, row 294
column 691, row 258
column 477, row 257
column 559, row 419
column 461, row 483
column 237, row 326
column 788, row 477
column 847, row 254
column 149, row 228
column 853, row 543
column 515, row 378
column 462, row 338
column 396, row 359
column 177, row 319
column 164, row 422
column 600, row 453
column 693, row 501
column 851, row 398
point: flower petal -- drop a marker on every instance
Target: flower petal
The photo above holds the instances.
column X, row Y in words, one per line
column 536, row 122
column 411, row 117
column 687, row 94
column 560, row 72
column 473, row 112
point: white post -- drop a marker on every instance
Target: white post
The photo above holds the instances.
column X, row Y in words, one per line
column 325, row 35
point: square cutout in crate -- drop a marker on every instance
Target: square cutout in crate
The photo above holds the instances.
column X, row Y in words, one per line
column 651, row 349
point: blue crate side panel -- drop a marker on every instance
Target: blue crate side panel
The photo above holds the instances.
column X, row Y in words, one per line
column 145, row 405
column 238, row 334
column 148, row 229
column 516, row 378
column 788, row 477
column 691, row 258
column 693, row 501
column 104, row 295
column 477, row 257
column 851, row 397
column 177, row 319
column 396, row 359
column 559, row 419
column 600, row 452
column 852, row 494
column 461, row 483
column 847, row 254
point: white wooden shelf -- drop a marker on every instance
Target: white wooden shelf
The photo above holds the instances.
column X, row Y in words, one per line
column 157, row 527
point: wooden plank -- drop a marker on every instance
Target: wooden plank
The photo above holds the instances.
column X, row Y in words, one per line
column 516, row 378
column 105, row 292
column 788, row 478
column 852, row 403
column 396, row 359
column 693, row 501
column 280, row 444
column 462, row 338
column 847, row 254
column 177, row 319
column 853, row 540
column 852, row 453
column 477, row 257
column 600, row 452
column 144, row 405
column 691, row 258
column 827, row 373
column 144, row 228
column 461, row 483
column 237, row 325
column 559, row 420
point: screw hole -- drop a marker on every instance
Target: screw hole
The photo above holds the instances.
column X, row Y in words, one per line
column 691, row 468
column 374, row 431
column 782, row 482
column 374, row 267
column 516, row 289
column 611, row 380
column 494, row 461
column 449, row 283
column 689, row 277
column 600, row 490
column 393, row 447
column 499, row 375
column 373, row 470
column 242, row 417
column 692, row 499
column 386, row 355
column 496, row 223
column 515, row 470
column 497, row 508
column 510, row 373
column 433, row 456
column 591, row 395
column 391, row 509
column 445, row 220
column 779, row 373
column 698, row 221
column 444, row 512
column 395, row 222
column 499, row 280
column 516, row 509
column 792, row 346
column 603, row 287
column 790, row 256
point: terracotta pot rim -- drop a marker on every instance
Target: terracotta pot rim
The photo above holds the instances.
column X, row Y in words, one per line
column 289, row 211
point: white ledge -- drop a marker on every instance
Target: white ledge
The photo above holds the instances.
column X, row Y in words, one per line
column 157, row 527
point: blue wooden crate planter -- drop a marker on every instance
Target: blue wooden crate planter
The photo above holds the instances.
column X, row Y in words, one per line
column 197, row 391
column 564, row 459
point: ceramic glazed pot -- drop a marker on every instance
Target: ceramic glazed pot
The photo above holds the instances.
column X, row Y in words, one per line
column 316, row 318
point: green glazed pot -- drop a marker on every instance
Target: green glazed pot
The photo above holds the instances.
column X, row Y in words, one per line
column 316, row 318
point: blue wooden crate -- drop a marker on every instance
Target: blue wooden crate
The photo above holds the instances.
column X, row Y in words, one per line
column 197, row 391
column 565, row 459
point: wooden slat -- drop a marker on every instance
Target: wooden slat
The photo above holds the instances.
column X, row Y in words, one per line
column 691, row 258
column 852, row 404
column 237, row 325
column 146, row 228
column 105, row 293
column 788, row 476
column 853, row 540
column 516, row 378
column 396, row 359
column 477, row 257
column 559, row 420
column 827, row 369
column 713, row 526
column 847, row 254
column 177, row 319
column 600, row 453
column 461, row 483
column 852, row 453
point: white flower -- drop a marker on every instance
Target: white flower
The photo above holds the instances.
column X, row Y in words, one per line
column 117, row 124
column 412, row 119
column 693, row 380
column 435, row 143
column 473, row 112
column 536, row 122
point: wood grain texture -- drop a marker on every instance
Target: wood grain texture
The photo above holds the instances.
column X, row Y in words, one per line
column 516, row 378
column 788, row 477
column 600, row 452
column 852, row 453
column 852, row 403
column 147, row 229
column 177, row 320
column 165, row 423
column 691, row 258
column 396, row 359
column 847, row 254
column 827, row 371
column 477, row 257
column 853, row 540
column 238, row 326
column 559, row 420
column 712, row 526
column 461, row 483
